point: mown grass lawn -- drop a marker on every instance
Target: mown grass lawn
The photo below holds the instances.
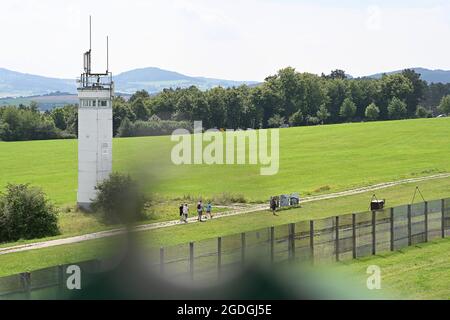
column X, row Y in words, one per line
column 395, row 196
column 419, row 272
column 44, row 258
column 312, row 160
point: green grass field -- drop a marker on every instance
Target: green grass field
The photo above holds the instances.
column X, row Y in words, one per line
column 419, row 272
column 395, row 196
column 313, row 159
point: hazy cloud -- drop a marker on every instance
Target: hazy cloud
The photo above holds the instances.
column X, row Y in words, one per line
column 242, row 40
column 374, row 18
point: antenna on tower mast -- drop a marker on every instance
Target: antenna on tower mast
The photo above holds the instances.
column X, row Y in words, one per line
column 87, row 78
column 90, row 33
column 87, row 55
column 107, row 54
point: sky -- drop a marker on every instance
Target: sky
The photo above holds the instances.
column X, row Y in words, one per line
column 238, row 40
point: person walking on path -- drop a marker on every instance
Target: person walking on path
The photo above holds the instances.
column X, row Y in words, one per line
column 186, row 212
column 209, row 210
column 200, row 211
column 181, row 212
column 273, row 206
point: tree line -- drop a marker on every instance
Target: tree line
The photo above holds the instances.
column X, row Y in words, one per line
column 288, row 98
column 24, row 123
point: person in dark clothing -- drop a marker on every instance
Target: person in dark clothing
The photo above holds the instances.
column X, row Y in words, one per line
column 273, row 205
column 181, row 213
column 200, row 211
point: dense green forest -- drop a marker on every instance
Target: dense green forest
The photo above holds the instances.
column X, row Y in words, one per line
column 288, row 98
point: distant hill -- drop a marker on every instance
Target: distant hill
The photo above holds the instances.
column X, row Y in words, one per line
column 16, row 87
column 430, row 76
column 155, row 80
column 16, row 84
column 45, row 102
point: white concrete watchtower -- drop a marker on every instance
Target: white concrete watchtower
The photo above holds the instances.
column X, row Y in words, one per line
column 95, row 130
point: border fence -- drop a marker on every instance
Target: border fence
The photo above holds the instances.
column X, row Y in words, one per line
column 321, row 241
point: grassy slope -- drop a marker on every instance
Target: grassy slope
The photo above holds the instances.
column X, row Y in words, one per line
column 394, row 196
column 337, row 157
column 32, row 260
column 419, row 272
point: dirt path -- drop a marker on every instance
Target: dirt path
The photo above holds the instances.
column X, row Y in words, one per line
column 238, row 210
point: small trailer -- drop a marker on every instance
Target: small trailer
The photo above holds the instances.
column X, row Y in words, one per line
column 376, row 204
column 286, row 200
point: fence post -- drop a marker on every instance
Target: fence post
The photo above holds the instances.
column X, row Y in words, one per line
column 98, row 265
column 161, row 260
column 374, row 232
column 354, row 236
column 219, row 257
column 311, row 239
column 443, row 218
column 392, row 230
column 272, row 245
column 243, row 248
column 61, row 283
column 191, row 260
column 337, row 238
column 25, row 279
column 291, row 242
column 409, row 226
column 426, row 221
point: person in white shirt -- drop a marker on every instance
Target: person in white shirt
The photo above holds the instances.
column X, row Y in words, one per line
column 186, row 213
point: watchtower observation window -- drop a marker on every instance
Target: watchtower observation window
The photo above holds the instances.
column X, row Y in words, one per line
column 94, row 103
column 89, row 103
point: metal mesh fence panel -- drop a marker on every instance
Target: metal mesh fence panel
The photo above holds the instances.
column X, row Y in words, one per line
column 11, row 285
column 154, row 256
column 281, row 243
column 90, row 267
column 355, row 236
column 364, row 234
column 44, row 278
column 231, row 252
column 446, row 217
column 418, row 225
column 346, row 237
column 205, row 260
column 257, row 246
column 383, row 230
column 325, row 240
column 302, row 243
column 176, row 262
column 400, row 227
column 434, row 219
